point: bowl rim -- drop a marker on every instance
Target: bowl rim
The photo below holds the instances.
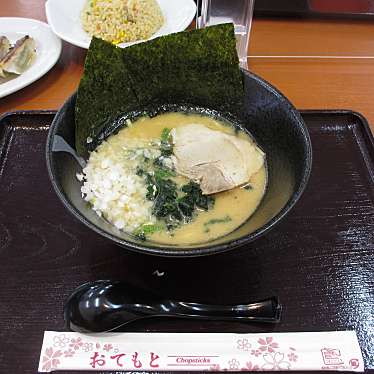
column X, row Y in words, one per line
column 208, row 249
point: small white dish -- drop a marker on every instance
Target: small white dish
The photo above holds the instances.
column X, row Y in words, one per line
column 64, row 18
column 48, row 50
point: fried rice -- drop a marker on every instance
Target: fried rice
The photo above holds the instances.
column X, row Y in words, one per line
column 119, row 21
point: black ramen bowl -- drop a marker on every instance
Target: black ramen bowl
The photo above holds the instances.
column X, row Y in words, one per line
column 273, row 122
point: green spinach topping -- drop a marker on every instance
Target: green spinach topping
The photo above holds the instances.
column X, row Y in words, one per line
column 214, row 221
column 162, row 173
column 172, row 205
column 193, row 199
column 165, row 134
column 166, row 147
column 147, row 229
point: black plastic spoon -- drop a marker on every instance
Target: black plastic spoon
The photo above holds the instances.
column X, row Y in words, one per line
column 61, row 145
column 105, row 306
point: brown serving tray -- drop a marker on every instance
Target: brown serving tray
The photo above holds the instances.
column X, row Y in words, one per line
column 319, row 260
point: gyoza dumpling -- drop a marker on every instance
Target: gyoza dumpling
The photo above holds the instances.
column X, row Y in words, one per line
column 20, row 57
column 5, row 46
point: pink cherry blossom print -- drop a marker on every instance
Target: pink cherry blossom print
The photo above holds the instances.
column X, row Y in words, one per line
column 250, row 367
column 87, row 347
column 243, row 345
column 69, row 353
column 60, row 341
column 108, row 347
column 234, row 364
column 50, row 359
column 76, row 343
column 267, row 345
column 255, row 352
column 292, row 357
column 215, row 367
column 275, row 361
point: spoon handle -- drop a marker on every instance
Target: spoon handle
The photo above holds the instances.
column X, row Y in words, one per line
column 61, row 145
column 268, row 310
column 105, row 305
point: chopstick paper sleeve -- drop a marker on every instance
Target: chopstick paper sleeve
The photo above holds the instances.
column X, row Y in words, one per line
column 337, row 350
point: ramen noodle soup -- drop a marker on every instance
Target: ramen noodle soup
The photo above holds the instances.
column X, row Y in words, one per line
column 176, row 178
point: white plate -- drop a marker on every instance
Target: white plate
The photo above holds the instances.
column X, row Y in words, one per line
column 48, row 50
column 64, row 18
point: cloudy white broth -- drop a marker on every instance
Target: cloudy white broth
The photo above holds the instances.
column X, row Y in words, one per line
column 176, row 178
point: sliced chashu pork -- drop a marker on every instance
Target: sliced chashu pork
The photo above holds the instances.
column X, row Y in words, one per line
column 216, row 160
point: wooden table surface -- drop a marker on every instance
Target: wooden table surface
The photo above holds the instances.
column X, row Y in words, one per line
column 317, row 64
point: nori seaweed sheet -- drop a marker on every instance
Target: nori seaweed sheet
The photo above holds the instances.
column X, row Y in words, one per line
column 104, row 92
column 199, row 67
